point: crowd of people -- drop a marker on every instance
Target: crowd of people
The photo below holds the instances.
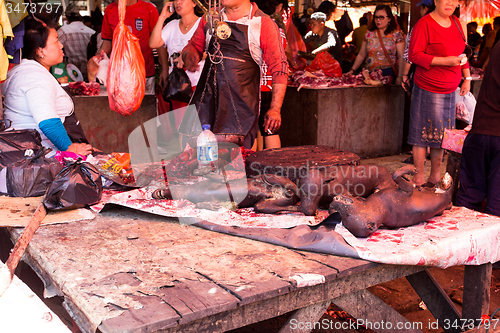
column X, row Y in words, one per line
column 242, row 90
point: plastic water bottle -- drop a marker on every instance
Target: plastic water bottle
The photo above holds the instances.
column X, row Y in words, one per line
column 208, row 150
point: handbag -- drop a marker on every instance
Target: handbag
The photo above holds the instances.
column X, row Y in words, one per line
column 178, row 86
column 453, row 139
column 468, row 49
column 393, row 65
column 409, row 83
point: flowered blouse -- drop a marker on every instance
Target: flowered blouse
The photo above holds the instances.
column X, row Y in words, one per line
column 376, row 58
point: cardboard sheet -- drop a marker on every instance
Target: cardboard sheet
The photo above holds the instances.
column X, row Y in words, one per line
column 17, row 212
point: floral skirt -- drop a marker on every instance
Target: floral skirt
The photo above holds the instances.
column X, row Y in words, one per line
column 430, row 114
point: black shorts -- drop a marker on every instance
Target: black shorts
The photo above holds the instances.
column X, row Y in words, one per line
column 265, row 103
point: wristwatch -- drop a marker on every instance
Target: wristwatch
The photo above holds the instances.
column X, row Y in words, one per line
column 468, row 78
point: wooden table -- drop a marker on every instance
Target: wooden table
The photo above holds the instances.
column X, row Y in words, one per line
column 128, row 271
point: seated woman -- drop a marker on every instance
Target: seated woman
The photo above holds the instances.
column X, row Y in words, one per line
column 322, row 38
column 33, row 97
column 388, row 54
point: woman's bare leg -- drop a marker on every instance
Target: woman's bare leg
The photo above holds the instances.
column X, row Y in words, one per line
column 419, row 155
column 436, row 160
column 272, row 141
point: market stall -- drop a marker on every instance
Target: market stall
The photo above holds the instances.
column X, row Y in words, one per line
column 128, row 270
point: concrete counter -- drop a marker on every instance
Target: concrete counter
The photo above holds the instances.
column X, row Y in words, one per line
column 111, row 132
column 365, row 120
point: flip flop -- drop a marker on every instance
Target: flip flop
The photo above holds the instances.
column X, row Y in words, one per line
column 428, row 185
column 418, row 187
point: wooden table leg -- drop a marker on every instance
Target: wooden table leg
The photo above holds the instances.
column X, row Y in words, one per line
column 375, row 314
column 309, row 314
column 477, row 284
column 436, row 300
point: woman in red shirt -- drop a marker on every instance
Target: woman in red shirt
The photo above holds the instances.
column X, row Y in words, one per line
column 436, row 47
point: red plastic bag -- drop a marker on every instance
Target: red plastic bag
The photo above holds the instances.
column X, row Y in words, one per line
column 127, row 72
column 296, row 44
column 324, row 61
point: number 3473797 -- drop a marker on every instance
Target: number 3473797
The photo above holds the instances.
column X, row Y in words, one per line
column 31, row 8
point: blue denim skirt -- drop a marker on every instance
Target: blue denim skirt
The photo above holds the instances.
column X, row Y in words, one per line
column 430, row 114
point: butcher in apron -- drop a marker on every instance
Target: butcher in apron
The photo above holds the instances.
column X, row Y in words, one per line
column 228, row 94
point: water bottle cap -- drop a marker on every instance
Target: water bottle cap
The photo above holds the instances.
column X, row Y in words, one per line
column 205, row 127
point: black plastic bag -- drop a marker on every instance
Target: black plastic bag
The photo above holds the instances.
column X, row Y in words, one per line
column 13, row 145
column 344, row 26
column 32, row 175
column 177, row 86
column 77, row 185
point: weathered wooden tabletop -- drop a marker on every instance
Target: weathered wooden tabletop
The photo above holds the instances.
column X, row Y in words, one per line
column 128, row 271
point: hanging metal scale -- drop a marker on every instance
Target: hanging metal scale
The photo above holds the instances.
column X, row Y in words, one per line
column 222, row 30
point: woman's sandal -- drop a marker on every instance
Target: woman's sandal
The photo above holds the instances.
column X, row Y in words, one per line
column 428, row 185
column 425, row 186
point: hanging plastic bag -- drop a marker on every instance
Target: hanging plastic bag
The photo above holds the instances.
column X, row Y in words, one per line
column 13, row 145
column 296, row 43
column 177, row 86
column 102, row 71
column 344, row 26
column 464, row 106
column 127, row 71
column 31, row 176
column 77, row 185
column 324, row 61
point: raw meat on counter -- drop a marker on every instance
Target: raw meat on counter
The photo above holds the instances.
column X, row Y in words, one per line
column 318, row 79
column 376, row 78
column 81, row 88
